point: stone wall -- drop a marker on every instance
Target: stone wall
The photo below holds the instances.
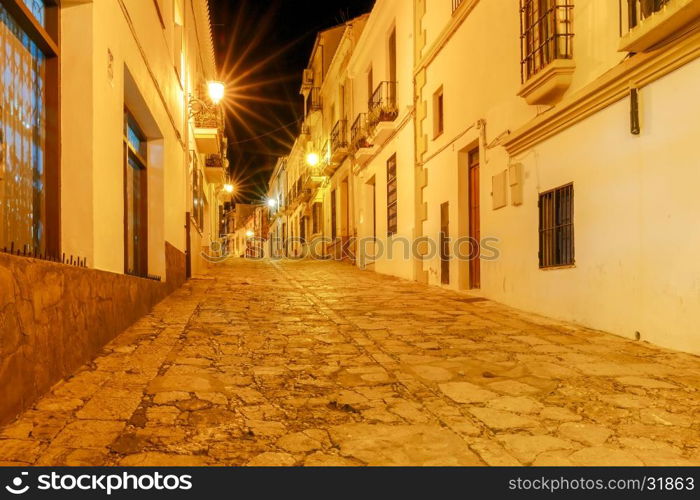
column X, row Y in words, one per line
column 54, row 318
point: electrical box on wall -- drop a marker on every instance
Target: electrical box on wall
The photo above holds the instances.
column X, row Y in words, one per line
column 515, row 176
column 499, row 192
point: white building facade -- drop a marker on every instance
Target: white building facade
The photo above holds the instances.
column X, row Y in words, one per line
column 537, row 153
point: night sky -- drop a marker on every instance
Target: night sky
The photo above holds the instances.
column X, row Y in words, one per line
column 262, row 48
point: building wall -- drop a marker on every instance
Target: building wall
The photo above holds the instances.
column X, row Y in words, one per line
column 634, row 272
column 51, row 322
column 632, row 194
column 372, row 51
column 129, row 60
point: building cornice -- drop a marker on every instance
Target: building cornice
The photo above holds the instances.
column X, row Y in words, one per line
column 635, row 72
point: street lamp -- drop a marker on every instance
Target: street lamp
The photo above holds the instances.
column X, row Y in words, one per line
column 250, row 233
column 208, row 108
column 312, row 159
column 272, row 203
column 217, row 90
column 229, row 188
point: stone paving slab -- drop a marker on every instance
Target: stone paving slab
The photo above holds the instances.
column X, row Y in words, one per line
column 318, row 363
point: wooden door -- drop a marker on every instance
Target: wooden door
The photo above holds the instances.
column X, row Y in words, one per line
column 445, row 243
column 474, row 221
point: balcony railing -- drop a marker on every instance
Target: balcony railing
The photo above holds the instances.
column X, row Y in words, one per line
column 456, row 4
column 359, row 134
column 638, row 10
column 325, row 155
column 313, row 101
column 209, row 118
column 214, row 161
column 339, row 136
column 546, row 34
column 382, row 105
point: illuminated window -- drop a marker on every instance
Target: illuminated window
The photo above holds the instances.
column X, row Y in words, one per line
column 23, row 179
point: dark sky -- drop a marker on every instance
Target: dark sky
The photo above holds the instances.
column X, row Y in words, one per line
column 262, row 48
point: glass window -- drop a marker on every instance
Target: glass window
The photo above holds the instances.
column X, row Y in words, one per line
column 22, row 139
column 37, row 8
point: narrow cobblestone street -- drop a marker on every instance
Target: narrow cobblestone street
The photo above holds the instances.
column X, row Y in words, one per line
column 316, row 363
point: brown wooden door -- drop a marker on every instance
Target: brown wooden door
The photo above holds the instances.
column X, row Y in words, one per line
column 474, row 220
column 445, row 243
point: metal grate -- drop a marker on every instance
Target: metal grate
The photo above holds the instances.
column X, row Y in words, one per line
column 546, row 34
column 557, row 227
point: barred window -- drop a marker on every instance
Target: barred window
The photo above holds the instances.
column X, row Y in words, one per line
column 557, row 227
column 546, row 34
column 391, row 196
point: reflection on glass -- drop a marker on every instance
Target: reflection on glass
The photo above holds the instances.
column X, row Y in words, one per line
column 37, row 8
column 22, row 138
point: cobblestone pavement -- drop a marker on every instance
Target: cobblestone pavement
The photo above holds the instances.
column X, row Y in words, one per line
column 314, row 363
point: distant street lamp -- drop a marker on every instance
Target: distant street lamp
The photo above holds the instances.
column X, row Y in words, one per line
column 229, row 188
column 250, row 234
column 312, row 159
column 272, row 203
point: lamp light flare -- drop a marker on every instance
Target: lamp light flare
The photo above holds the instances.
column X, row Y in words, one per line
column 250, row 234
column 228, row 188
column 272, row 203
column 312, row 159
column 216, row 91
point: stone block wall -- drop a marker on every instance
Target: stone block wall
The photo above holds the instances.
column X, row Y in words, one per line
column 54, row 318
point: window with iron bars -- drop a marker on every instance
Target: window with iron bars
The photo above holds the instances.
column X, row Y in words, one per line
column 546, row 34
column 638, row 10
column 557, row 227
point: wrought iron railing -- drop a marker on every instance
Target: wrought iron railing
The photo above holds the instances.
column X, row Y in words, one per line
column 339, row 136
column 214, row 161
column 456, row 4
column 382, row 105
column 325, row 156
column 546, row 34
column 359, row 134
column 313, row 100
column 210, row 117
column 34, row 253
column 636, row 11
column 151, row 277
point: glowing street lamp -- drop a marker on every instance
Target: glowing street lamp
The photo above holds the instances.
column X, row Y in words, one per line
column 250, row 234
column 312, row 159
column 216, row 91
column 229, row 188
column 272, row 203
